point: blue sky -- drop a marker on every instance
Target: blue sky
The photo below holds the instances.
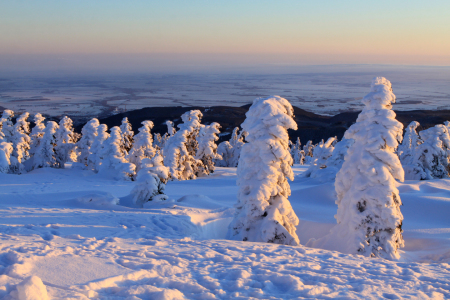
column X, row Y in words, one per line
column 405, row 32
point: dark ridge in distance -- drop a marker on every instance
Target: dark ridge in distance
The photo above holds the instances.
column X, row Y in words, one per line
column 311, row 126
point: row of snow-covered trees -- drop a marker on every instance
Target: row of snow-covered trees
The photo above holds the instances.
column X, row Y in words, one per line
column 368, row 215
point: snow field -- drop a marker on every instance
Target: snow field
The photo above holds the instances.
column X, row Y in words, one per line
column 63, row 226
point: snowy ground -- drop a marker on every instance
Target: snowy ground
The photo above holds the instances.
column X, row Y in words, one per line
column 63, row 226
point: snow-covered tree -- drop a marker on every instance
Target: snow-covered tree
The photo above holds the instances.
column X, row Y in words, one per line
column 151, row 180
column 96, row 151
column 409, row 144
column 88, row 135
column 207, row 148
column 430, row 159
column 6, row 150
column 20, row 138
column 65, row 142
column 230, row 151
column 170, row 128
column 157, row 141
column 37, row 132
column 127, row 134
column 143, row 145
column 263, row 212
column 181, row 148
column 45, row 155
column 308, row 149
column 7, row 127
column 369, row 217
column 321, row 153
column 113, row 157
column 298, row 155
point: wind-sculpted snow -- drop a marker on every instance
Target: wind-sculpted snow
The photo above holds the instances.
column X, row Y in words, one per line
column 82, row 249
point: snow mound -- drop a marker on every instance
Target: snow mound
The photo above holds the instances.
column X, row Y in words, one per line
column 32, row 288
column 198, row 201
column 98, row 198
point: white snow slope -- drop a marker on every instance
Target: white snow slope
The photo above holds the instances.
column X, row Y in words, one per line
column 65, row 227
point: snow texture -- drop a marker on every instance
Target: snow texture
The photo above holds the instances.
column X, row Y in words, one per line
column 369, row 221
column 263, row 212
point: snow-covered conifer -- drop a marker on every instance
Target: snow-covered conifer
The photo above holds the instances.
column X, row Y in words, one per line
column 263, row 212
column 369, row 218
column 7, row 127
column 20, row 138
column 45, row 155
column 409, row 144
column 207, row 148
column 151, row 180
column 143, row 145
column 65, row 142
column 113, row 156
column 88, row 135
column 308, row 149
column 127, row 134
column 231, row 150
column 37, row 132
column 181, row 148
column 298, row 155
column 95, row 157
column 5, row 153
column 157, row 141
column 430, row 158
column 170, row 128
column 321, row 153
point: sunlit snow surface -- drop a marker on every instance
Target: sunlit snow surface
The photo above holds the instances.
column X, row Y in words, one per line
column 176, row 250
column 320, row 89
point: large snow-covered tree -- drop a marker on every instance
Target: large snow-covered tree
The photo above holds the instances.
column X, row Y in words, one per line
column 263, row 211
column 180, row 149
column 369, row 217
column 207, row 148
column 143, row 145
column 127, row 134
column 65, row 142
column 88, row 135
column 45, row 155
column 37, row 132
column 113, row 157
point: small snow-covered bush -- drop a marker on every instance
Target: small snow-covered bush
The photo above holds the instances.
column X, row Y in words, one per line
column 308, row 149
column 263, row 212
column 7, row 127
column 409, row 144
column 369, row 221
column 298, row 155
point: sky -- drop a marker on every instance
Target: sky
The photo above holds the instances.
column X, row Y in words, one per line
column 196, row 32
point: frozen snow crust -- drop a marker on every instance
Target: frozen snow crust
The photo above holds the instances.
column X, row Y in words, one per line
column 175, row 249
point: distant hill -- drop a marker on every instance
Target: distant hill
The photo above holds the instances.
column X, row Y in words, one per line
column 310, row 126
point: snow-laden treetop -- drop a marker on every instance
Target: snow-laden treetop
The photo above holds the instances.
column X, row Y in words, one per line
column 269, row 116
column 380, row 96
